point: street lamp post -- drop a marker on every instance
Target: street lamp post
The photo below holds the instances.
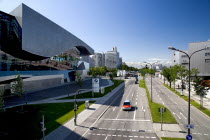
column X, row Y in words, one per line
column 151, row 77
column 189, row 57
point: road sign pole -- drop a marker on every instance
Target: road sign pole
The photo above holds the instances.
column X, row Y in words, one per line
column 43, row 128
column 161, row 112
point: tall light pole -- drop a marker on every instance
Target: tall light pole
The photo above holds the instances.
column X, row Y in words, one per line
column 151, row 76
column 189, row 57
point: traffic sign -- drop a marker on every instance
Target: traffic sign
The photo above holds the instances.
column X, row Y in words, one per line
column 189, row 126
column 189, row 137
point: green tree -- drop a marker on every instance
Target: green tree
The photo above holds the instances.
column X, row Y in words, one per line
column 17, row 87
column 182, row 73
column 167, row 73
column 201, row 88
column 78, row 79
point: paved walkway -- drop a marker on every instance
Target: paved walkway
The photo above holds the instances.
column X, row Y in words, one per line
column 52, row 93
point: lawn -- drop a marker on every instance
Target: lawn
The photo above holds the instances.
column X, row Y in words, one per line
column 96, row 95
column 156, row 118
column 167, row 138
column 192, row 102
column 26, row 125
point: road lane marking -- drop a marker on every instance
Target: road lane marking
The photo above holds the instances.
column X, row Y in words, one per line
column 153, row 137
column 119, row 135
column 147, row 137
column 113, row 135
column 135, row 136
column 206, row 134
column 160, row 99
column 141, row 136
column 130, row 136
column 178, row 116
column 182, row 115
column 106, row 137
column 163, row 102
column 136, row 103
column 103, row 134
column 98, row 134
column 125, row 136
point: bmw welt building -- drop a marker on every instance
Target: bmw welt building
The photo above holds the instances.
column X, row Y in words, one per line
column 32, row 45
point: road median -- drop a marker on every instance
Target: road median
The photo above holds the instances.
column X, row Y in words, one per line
column 167, row 117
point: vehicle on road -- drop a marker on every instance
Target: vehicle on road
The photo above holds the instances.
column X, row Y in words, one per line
column 126, row 105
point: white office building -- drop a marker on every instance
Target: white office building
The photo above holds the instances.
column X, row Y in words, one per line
column 112, row 59
column 199, row 60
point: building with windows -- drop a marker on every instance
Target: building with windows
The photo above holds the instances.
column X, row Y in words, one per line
column 31, row 44
column 199, row 60
column 112, row 59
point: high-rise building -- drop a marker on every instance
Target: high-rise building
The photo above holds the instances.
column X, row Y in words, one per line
column 112, row 59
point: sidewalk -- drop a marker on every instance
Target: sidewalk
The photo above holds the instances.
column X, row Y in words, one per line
column 64, row 130
column 168, row 130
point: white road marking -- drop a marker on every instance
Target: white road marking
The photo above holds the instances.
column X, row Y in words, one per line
column 130, row 136
column 182, row 115
column 113, row 135
column 106, row 137
column 114, row 108
column 175, row 102
column 113, row 129
column 103, row 134
column 125, row 136
column 178, row 116
column 174, row 113
column 136, row 136
column 93, row 134
column 199, row 134
column 163, row 102
column 89, row 133
column 136, row 103
column 141, row 136
column 160, row 99
column 119, row 135
column 163, row 134
column 98, row 134
column 147, row 137
column 153, row 137
column 206, row 134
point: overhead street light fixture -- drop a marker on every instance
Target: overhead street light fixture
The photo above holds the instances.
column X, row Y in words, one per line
column 189, row 57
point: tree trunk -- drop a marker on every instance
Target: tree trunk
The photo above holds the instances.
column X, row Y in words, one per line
column 174, row 85
column 170, row 84
column 164, row 80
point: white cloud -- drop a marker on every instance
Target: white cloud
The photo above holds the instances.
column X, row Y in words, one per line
column 164, row 62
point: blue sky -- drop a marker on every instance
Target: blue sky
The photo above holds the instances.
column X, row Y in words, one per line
column 141, row 29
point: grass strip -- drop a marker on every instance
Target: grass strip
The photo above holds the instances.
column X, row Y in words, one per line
column 192, row 102
column 156, row 116
column 96, row 95
column 167, row 138
column 17, row 124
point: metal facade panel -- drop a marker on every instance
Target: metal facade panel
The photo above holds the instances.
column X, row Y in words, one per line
column 198, row 59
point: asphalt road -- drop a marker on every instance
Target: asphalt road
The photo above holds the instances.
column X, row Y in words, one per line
column 179, row 109
column 110, row 122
